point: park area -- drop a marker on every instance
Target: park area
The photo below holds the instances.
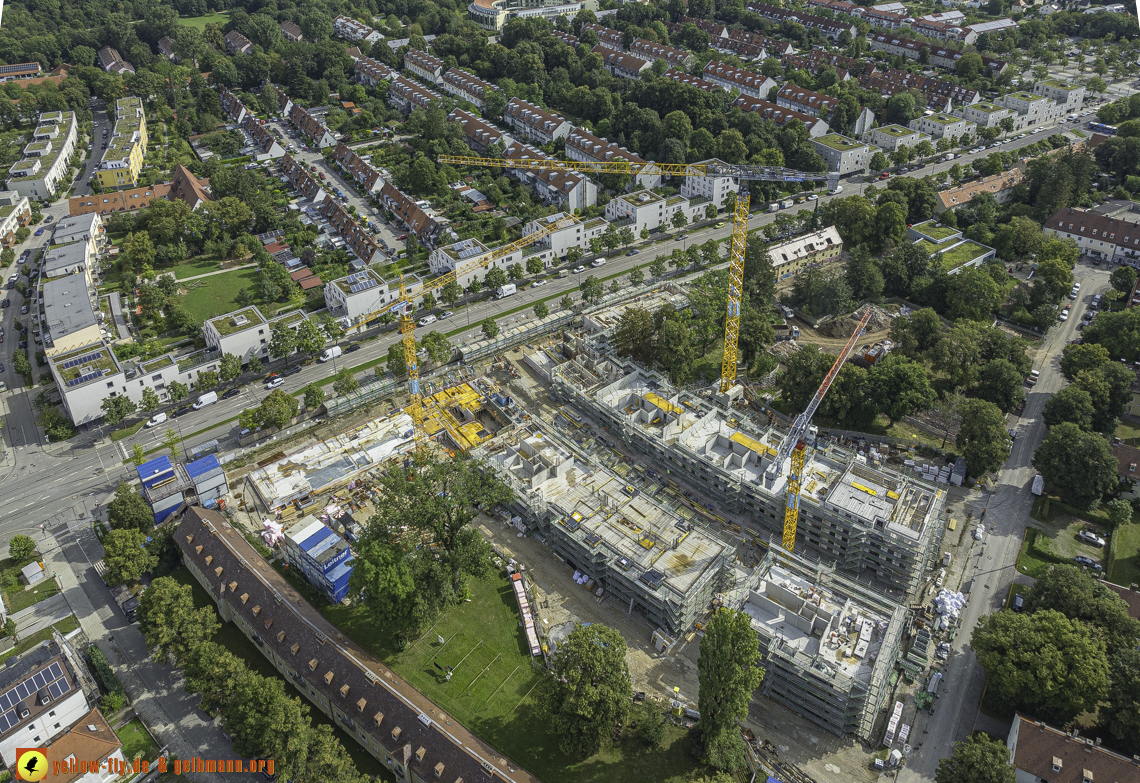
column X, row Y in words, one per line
column 199, row 22
column 215, row 295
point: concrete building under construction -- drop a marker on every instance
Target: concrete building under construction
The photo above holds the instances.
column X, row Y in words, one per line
column 644, row 556
column 828, row 643
column 870, row 521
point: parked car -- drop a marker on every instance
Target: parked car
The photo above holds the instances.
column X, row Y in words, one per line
column 6, row 303
column 1018, row 602
column 235, row 391
column 1088, row 562
column 273, row 384
column 296, row 368
column 1090, row 537
column 979, row 532
column 39, row 232
column 181, row 411
column 352, row 348
column 155, row 420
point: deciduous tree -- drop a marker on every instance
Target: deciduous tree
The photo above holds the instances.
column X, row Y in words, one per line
column 1078, row 596
column 169, row 622
column 126, row 556
column 21, row 549
column 345, row 381
column 982, row 437
column 729, row 671
column 980, row 759
column 115, row 409
column 282, row 341
column 1078, row 464
column 127, row 510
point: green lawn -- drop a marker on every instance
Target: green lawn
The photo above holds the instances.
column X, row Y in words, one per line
column 237, row 643
column 199, row 22
column 1125, row 566
column 1053, row 539
column 18, row 600
column 196, row 266
column 64, row 626
column 137, row 742
column 212, row 296
column 127, row 432
column 1129, row 433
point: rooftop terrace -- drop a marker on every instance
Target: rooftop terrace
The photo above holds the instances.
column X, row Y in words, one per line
column 232, row 323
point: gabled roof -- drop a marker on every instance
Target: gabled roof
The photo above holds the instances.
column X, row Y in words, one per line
column 186, row 187
column 90, row 739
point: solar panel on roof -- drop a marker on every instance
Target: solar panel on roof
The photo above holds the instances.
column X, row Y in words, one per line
column 55, row 671
column 8, row 720
column 58, row 688
column 81, row 360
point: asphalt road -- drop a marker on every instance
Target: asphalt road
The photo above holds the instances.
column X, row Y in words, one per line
column 992, row 569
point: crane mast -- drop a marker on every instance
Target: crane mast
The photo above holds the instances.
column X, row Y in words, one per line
column 793, row 444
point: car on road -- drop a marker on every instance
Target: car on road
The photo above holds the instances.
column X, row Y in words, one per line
column 577, row 270
column 633, row 252
column 1088, row 562
column 597, row 262
column 353, row 347
column 23, row 310
column 181, row 411
column 39, row 232
column 6, row 303
column 679, row 237
column 537, row 283
column 47, row 219
column 1064, row 316
column 296, row 368
column 156, row 419
column 427, row 320
column 719, row 224
column 273, row 384
column 445, row 315
column 813, row 197
column 235, row 391
column 1089, row 537
column 885, row 175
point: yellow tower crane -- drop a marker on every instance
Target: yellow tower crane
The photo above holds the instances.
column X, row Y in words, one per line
column 741, row 173
column 405, row 305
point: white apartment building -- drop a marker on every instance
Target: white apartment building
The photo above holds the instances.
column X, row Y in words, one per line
column 940, row 125
column 359, row 296
column 245, row 333
column 984, row 114
column 15, row 213
column 1070, row 96
column 463, row 255
column 1100, row 236
column 69, row 258
column 647, row 210
column 729, row 77
column 843, row 155
column 424, row 65
column 553, row 247
column 534, row 124
column 1032, row 111
column 715, row 189
column 584, row 146
column 893, row 137
column 47, row 159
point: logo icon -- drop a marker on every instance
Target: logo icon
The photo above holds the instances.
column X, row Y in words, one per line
column 31, row 764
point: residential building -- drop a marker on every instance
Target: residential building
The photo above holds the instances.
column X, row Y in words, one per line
column 322, row 556
column 313, row 126
column 729, row 77
column 264, row 140
column 989, row 27
column 493, row 14
column 566, row 38
column 940, row 95
column 621, row 64
column 815, row 104
column 1099, row 236
column 278, row 97
column 466, row 87
column 372, row 72
column 166, row 49
column 817, row 65
column 805, row 614
column 651, row 51
column 1032, row 111
column 1128, row 470
column 692, row 81
column 246, row 333
column 534, row 124
column 291, row 32
column 998, row 185
column 566, row 189
column 984, row 114
column 47, row 160
column 43, row 693
column 1070, row 96
column 88, row 229
column 15, row 213
column 946, row 17
column 302, row 179
column 553, row 247
column 843, row 155
column 90, row 740
column 478, row 134
column 117, row 201
column 65, row 259
column 236, row 43
column 412, row 215
column 406, row 95
column 232, row 105
column 372, row 705
column 829, row 28
column 423, row 65
column 814, row 249
column 367, row 179
column 885, row 20
column 352, row 30
column 889, row 539
column 360, row 295
column 584, row 146
column 14, row 71
column 781, row 116
column 112, row 62
column 462, row 256
column 1040, row 752
column 123, row 159
column 185, row 187
column 945, row 31
column 941, row 126
column 770, row 47
column 893, row 137
column 645, row 209
column 359, row 241
column 715, row 30
column 607, row 36
column 714, row 190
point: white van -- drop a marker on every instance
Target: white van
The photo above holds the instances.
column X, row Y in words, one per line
column 209, row 398
column 331, row 353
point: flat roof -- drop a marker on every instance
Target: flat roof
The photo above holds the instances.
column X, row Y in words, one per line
column 74, row 367
column 237, row 321
column 895, row 130
column 46, row 161
column 67, row 305
column 839, row 142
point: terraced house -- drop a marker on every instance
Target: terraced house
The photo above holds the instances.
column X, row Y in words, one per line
column 367, row 178
column 412, row 216
column 535, row 124
column 584, row 146
column 781, row 116
column 478, row 134
column 567, row 189
column 816, row 104
column 406, row 95
column 356, row 238
column 123, row 159
column 352, row 30
column 372, row 72
column 313, row 126
column 607, row 36
column 424, row 65
column 261, row 136
column 729, row 77
column 693, row 81
column 466, row 87
column 301, row 179
column 278, row 98
column 236, row 43
column 47, row 159
column 648, row 50
column 829, row 28
column 231, row 105
column 620, row 64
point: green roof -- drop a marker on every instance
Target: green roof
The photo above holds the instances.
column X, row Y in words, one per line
column 962, row 253
column 1059, row 84
column 155, row 365
column 987, row 107
column 1027, row 96
column 935, row 230
column 94, row 359
column 290, row 319
column 47, row 161
column 839, row 142
column 895, row 130
column 943, row 119
column 232, row 323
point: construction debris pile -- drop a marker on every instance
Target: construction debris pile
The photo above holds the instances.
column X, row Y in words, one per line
column 950, row 603
column 838, row 328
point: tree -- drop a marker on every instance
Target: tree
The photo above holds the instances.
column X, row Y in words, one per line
column 115, row 409
column 902, row 386
column 1077, row 464
column 309, row 338
column 314, row 396
column 879, row 162
column 21, row 549
column 450, row 293
column 177, row 391
column 917, row 334
column 138, row 455
column 1121, row 714
column 438, row 347
column 729, row 673
column 1119, row 513
column 172, row 440
column 495, row 278
column 980, row 759
column 207, row 379
column 490, row 328
column 1123, row 278
column 278, row 409
column 589, row 693
column 982, row 437
column 1068, row 590
column 1041, row 662
column 635, row 334
column 1076, row 359
column 229, row 368
column 149, row 399
column 863, row 275
column 169, row 622
column 678, row 219
column 138, row 250
column 657, row 267
column 126, row 556
column 395, row 362
column 541, row 310
column 1000, row 382
column 345, row 381
column 566, row 303
column 1072, row 404
column 592, row 290
column 625, row 236
column 282, row 341
column 805, row 371
column 127, row 510
column 636, row 276
column 254, row 366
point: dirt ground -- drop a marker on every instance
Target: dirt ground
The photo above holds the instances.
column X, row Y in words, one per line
column 835, row 345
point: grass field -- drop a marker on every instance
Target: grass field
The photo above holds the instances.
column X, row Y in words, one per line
column 1129, row 433
column 199, row 22
column 127, row 432
column 18, row 600
column 137, row 742
column 196, row 266
column 1125, row 566
column 237, row 643
column 1053, row 539
column 214, row 295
